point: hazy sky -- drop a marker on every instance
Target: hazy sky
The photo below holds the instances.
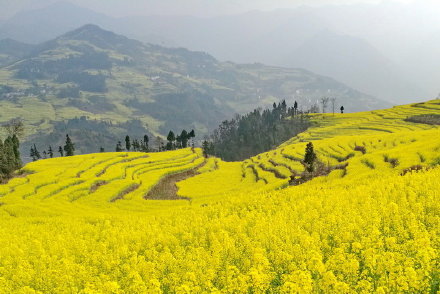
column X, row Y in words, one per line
column 190, row 7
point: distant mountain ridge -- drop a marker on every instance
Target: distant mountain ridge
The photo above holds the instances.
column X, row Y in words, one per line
column 97, row 74
column 277, row 38
column 353, row 60
column 40, row 25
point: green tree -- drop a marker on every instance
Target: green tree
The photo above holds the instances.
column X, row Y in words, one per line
column 61, row 151
column 7, row 159
column 16, row 148
column 178, row 142
column 3, row 162
column 37, row 153
column 32, row 154
column 310, row 157
column 127, row 143
column 205, row 148
column 145, row 147
column 69, row 148
column 192, row 135
column 50, row 152
column 184, row 138
column 101, row 149
column 171, row 138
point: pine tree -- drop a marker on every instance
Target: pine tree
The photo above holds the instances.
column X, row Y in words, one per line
column 16, row 147
column 145, row 147
column 310, row 157
column 3, row 162
column 37, row 154
column 32, row 154
column 127, row 143
column 9, row 160
column 69, row 147
column 171, row 138
column 184, row 138
column 205, row 147
column 283, row 107
column 101, row 149
column 61, row 151
column 50, row 152
column 192, row 135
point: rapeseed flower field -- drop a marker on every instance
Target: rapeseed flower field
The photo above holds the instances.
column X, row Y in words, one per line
column 85, row 224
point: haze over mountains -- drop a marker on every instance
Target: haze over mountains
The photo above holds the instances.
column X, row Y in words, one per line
column 384, row 50
column 97, row 86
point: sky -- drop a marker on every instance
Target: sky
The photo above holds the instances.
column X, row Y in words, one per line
column 120, row 8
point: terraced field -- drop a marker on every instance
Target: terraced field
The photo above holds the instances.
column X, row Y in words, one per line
column 96, row 179
column 100, row 223
column 384, row 134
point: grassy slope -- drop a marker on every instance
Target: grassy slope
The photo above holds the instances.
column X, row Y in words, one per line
column 369, row 230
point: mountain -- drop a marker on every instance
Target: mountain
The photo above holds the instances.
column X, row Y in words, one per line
column 272, row 37
column 40, row 25
column 424, row 63
column 355, row 62
column 11, row 50
column 112, row 83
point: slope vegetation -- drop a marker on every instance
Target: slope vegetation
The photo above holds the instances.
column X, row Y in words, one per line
column 79, row 225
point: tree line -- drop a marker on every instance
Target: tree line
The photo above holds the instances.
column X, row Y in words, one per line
column 256, row 132
column 133, row 145
column 67, row 150
column 184, row 140
column 173, row 142
column 10, row 160
column 9, row 157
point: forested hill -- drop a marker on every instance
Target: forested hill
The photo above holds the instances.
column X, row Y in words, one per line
column 101, row 76
column 11, row 50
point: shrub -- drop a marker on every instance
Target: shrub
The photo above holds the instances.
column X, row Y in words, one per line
column 360, row 149
column 414, row 168
column 393, row 161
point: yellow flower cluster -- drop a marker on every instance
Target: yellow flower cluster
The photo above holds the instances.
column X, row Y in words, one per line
column 74, row 225
column 380, row 235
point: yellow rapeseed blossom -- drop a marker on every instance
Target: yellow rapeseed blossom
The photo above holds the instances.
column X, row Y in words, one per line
column 372, row 225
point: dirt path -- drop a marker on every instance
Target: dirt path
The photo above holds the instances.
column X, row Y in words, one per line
column 166, row 189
